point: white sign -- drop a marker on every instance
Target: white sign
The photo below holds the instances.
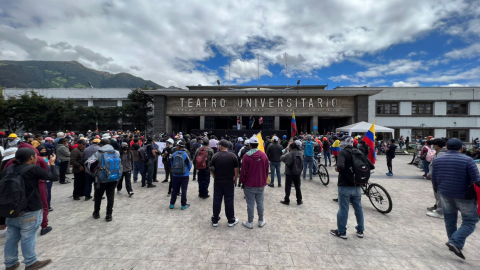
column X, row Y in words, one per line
column 161, row 146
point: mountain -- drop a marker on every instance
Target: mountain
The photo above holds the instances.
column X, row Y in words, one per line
column 59, row 74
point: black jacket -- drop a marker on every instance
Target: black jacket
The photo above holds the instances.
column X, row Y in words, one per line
column 344, row 166
column 364, row 149
column 274, row 152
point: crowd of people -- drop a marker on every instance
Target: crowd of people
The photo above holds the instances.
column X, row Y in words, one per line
column 104, row 162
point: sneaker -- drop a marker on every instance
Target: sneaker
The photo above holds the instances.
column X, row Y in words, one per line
column 143, row 185
column 285, row 202
column 38, row 265
column 335, row 200
column 271, row 185
column 389, row 174
column 234, row 223
column 279, row 185
column 13, row 267
column 300, row 203
column 165, row 181
column 171, row 206
column 360, row 234
column 50, row 209
column 194, row 179
column 337, row 234
column 155, row 180
column 262, row 223
column 185, row 207
column 3, row 232
column 119, row 192
column 46, row 230
column 151, row 186
column 96, row 215
column 248, row 225
column 215, row 224
column 130, row 193
column 108, row 218
column 86, row 199
column 434, row 214
column 455, row 250
column 432, row 208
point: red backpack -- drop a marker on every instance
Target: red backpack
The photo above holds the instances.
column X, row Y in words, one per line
column 201, row 160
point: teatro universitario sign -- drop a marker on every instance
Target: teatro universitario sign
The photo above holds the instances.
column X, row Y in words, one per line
column 263, row 105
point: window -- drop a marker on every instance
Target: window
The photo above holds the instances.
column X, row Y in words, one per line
column 423, row 133
column 105, row 103
column 387, row 108
column 461, row 134
column 83, row 103
column 422, row 108
column 457, row 108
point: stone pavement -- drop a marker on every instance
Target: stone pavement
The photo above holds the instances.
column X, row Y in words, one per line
column 145, row 234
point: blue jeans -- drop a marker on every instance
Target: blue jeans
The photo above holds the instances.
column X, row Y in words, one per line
column 138, row 168
column 49, row 185
column 426, row 169
column 468, row 209
column 307, row 162
column 89, row 181
column 23, row 229
column 275, row 167
column 329, row 156
column 203, row 182
column 347, row 195
column 148, row 170
column 179, row 182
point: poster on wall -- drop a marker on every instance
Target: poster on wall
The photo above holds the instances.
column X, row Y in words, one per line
column 161, row 145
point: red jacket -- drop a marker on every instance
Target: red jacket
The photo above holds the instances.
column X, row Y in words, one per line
column 254, row 170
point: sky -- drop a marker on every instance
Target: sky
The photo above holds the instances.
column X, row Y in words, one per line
column 179, row 43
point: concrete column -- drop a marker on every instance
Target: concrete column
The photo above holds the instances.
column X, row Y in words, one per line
column 314, row 123
column 276, row 123
column 168, row 124
column 440, row 108
column 90, row 103
column 159, row 114
column 202, row 122
column 405, row 108
column 361, row 108
column 119, row 103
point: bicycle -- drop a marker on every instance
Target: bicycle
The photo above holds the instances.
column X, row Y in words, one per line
column 378, row 196
column 321, row 170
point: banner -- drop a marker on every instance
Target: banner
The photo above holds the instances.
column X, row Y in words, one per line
column 161, row 145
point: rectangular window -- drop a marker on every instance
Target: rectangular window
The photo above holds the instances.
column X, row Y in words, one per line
column 424, row 108
column 105, row 103
column 461, row 134
column 423, row 133
column 454, row 108
column 83, row 103
column 387, row 107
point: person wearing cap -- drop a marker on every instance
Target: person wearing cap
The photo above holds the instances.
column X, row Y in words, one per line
column 292, row 153
column 89, row 179
column 274, row 153
column 238, row 145
column 76, row 159
column 224, row 170
column 326, row 151
column 254, row 176
column 24, row 227
column 348, row 191
column 180, row 181
column 138, row 164
column 436, row 211
column 166, row 152
column 126, row 157
column 284, row 142
column 454, row 176
column 308, row 157
column 204, row 174
column 13, row 141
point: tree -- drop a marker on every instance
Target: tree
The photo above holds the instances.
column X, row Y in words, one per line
column 140, row 110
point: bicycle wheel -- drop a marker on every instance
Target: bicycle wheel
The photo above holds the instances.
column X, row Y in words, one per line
column 379, row 198
column 323, row 174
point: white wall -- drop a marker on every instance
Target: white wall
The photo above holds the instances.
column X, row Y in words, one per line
column 405, row 108
column 474, row 133
column 474, row 108
column 405, row 132
column 440, row 108
column 439, row 133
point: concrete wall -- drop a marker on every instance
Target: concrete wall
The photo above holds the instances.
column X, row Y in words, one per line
column 440, row 108
column 405, row 108
column 474, row 108
column 440, row 132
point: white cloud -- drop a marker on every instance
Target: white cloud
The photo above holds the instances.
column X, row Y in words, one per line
column 455, row 85
column 344, row 77
column 242, row 71
column 453, row 76
column 468, row 52
column 400, row 66
column 405, row 84
column 167, row 40
column 172, row 83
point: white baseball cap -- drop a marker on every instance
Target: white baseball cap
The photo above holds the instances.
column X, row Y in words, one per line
column 254, row 139
column 170, row 141
column 240, row 139
column 9, row 153
column 247, row 142
column 106, row 136
column 275, row 139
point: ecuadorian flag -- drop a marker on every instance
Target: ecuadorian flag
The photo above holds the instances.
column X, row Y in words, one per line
column 294, row 125
column 369, row 140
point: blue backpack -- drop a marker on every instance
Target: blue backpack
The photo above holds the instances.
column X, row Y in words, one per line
column 109, row 170
column 178, row 166
column 308, row 149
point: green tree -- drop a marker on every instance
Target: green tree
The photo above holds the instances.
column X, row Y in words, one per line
column 140, row 110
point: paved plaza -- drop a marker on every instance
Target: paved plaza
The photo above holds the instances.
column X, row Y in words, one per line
column 146, row 234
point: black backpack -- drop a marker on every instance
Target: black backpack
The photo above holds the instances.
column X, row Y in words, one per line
column 297, row 164
column 12, row 192
column 360, row 167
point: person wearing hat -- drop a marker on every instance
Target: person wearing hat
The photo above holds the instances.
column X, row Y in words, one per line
column 284, row 142
column 292, row 154
column 348, row 191
column 126, row 157
column 204, row 154
column 13, row 141
column 238, row 145
column 454, row 176
column 180, row 180
column 76, row 159
column 24, row 227
column 274, row 153
column 327, row 152
column 254, row 176
column 224, row 170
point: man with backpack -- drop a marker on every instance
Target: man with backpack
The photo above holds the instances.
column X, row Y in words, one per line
column 167, row 150
column 390, row 153
column 224, row 170
column 274, row 153
column 293, row 159
column 106, row 167
column 353, row 169
column 181, row 166
column 426, row 157
column 308, row 159
column 149, row 154
column 23, row 210
column 202, row 159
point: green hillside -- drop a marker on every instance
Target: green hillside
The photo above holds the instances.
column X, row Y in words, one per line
column 58, row 74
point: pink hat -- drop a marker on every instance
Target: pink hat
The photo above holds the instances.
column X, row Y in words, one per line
column 48, row 139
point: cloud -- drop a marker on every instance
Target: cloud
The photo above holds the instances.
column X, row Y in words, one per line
column 344, row 77
column 405, row 84
column 468, row 52
column 172, row 83
column 172, row 40
column 453, row 76
column 401, row 66
column 415, row 53
column 455, row 85
column 242, row 71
